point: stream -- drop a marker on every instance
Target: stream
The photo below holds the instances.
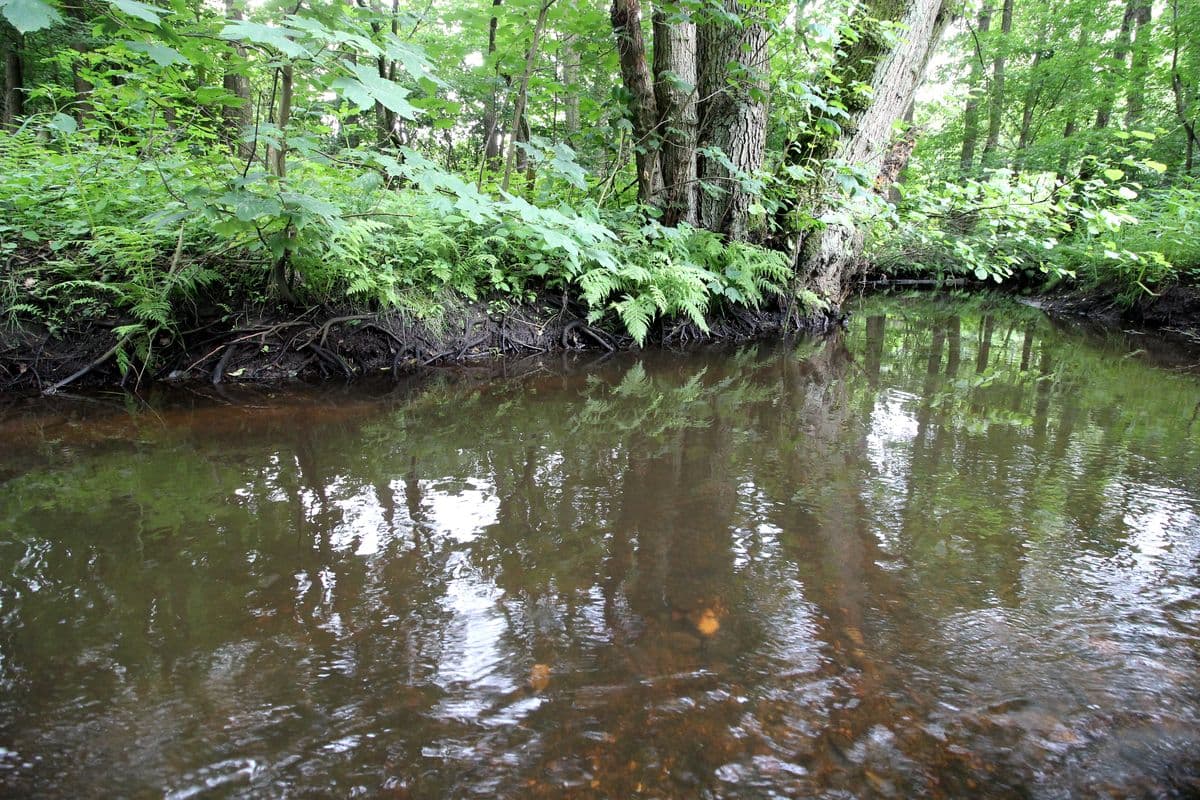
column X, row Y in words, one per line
column 952, row 550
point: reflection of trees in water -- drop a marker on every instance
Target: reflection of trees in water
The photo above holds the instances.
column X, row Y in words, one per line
column 652, row 530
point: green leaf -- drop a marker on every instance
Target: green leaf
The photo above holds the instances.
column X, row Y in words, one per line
column 1114, row 174
column 29, row 15
column 366, row 88
column 266, row 35
column 161, row 54
column 64, row 124
column 141, row 11
column 247, row 207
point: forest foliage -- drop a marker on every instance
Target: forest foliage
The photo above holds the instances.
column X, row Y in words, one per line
column 162, row 163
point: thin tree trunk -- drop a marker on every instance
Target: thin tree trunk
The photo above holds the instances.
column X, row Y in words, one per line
column 241, row 116
column 626, row 17
column 1032, row 95
column 733, row 117
column 1139, row 68
column 491, row 116
column 1182, row 104
column 1064, row 159
column 1116, row 67
column 522, row 92
column 829, row 257
column 679, row 120
column 277, row 155
column 966, row 159
column 996, row 102
column 13, row 108
column 570, row 79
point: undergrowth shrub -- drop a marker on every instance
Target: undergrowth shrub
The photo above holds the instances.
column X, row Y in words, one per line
column 98, row 232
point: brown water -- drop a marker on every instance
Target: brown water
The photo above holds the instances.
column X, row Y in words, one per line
column 952, row 552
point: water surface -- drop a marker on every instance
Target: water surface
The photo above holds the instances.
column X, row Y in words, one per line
column 953, row 551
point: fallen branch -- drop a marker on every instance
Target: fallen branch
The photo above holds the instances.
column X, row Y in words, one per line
column 109, row 353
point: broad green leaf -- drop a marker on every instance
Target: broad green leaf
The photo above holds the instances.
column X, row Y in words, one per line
column 142, row 11
column 161, row 54
column 365, row 88
column 63, row 123
column 248, row 207
column 1114, row 174
column 29, row 15
column 266, row 35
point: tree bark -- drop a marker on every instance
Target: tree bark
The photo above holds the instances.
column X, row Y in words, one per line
column 523, row 92
column 241, row 116
column 733, row 117
column 966, row 160
column 1139, row 68
column 1182, row 101
column 679, row 120
column 13, row 108
column 491, row 115
column 996, row 101
column 626, row 16
column 570, row 78
column 829, row 257
column 277, row 156
column 1111, row 78
column 1032, row 95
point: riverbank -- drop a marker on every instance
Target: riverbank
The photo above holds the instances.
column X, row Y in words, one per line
column 262, row 346
column 258, row 346
column 1175, row 311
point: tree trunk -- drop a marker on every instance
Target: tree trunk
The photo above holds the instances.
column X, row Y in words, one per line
column 13, row 108
column 570, row 78
column 829, row 257
column 523, row 92
column 1116, row 67
column 491, row 116
column 733, row 117
column 1135, row 101
column 1032, row 95
column 996, row 102
column 966, row 160
column 887, row 182
column 679, row 121
column 277, row 156
column 1182, row 102
column 241, row 116
column 626, row 18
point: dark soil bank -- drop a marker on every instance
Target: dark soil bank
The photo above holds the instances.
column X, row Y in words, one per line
column 323, row 343
column 1175, row 311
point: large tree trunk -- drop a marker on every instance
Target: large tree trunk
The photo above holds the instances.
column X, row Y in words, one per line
column 13, row 108
column 966, row 159
column 733, row 117
column 996, row 101
column 626, row 18
column 679, row 121
column 1139, row 65
column 829, row 257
